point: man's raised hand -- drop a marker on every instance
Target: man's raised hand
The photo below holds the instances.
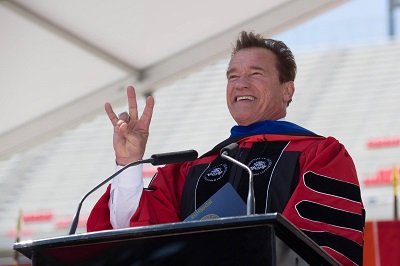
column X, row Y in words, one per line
column 130, row 131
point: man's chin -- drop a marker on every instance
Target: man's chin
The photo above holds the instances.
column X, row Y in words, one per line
column 244, row 122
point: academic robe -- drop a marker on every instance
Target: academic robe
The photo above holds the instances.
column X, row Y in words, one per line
column 310, row 179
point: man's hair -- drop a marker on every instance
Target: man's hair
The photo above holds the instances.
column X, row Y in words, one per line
column 286, row 63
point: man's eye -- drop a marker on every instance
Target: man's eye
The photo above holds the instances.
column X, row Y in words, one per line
column 232, row 77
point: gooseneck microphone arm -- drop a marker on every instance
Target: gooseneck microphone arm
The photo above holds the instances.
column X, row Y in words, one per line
column 227, row 153
column 155, row 159
column 74, row 222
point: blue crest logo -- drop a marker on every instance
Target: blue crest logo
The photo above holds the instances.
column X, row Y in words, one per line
column 260, row 165
column 216, row 173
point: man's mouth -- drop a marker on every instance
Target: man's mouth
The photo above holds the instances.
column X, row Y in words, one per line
column 245, row 98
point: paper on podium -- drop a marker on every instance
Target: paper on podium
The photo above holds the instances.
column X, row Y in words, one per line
column 226, row 202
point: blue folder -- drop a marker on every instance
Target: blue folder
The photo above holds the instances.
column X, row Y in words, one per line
column 226, row 202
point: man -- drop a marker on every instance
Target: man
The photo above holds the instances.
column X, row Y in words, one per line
column 310, row 179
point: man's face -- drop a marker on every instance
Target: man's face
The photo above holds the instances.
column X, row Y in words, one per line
column 254, row 92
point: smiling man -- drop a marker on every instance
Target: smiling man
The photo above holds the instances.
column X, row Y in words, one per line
column 308, row 178
column 256, row 91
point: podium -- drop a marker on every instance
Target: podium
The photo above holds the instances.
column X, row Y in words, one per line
column 267, row 239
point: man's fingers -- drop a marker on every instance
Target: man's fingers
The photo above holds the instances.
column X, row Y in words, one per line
column 110, row 113
column 148, row 111
column 132, row 103
column 124, row 117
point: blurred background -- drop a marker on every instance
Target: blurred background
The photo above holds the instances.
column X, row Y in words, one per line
column 61, row 61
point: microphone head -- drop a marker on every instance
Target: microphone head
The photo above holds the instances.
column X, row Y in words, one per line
column 230, row 150
column 174, row 157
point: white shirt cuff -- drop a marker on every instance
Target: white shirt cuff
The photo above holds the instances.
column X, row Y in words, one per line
column 126, row 190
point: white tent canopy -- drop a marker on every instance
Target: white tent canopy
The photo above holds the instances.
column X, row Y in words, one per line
column 61, row 60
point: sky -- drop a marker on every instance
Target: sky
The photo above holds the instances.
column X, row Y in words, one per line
column 357, row 21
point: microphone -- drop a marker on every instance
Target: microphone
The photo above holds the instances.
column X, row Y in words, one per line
column 155, row 159
column 227, row 153
column 174, row 157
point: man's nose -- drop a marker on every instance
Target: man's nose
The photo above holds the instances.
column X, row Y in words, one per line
column 243, row 82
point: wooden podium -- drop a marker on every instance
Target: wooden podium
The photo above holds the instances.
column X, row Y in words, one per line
column 267, row 239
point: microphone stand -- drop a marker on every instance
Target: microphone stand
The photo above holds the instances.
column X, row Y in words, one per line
column 74, row 222
column 156, row 159
column 251, row 201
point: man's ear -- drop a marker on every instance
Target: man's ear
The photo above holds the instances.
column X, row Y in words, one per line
column 288, row 91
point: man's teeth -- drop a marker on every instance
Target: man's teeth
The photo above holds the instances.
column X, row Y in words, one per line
column 244, row 98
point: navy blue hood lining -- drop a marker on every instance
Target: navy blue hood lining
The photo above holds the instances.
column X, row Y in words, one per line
column 265, row 127
column 269, row 127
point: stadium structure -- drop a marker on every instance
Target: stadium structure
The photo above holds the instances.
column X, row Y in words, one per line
column 349, row 92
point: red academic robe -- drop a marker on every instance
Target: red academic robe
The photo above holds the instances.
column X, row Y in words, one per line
column 325, row 203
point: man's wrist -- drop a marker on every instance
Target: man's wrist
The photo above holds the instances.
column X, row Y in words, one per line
column 122, row 161
column 132, row 177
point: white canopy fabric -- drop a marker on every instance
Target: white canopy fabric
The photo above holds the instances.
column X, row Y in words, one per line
column 60, row 61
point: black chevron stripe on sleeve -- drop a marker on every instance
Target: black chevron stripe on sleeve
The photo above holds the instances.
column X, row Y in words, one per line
column 331, row 186
column 342, row 245
column 326, row 214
